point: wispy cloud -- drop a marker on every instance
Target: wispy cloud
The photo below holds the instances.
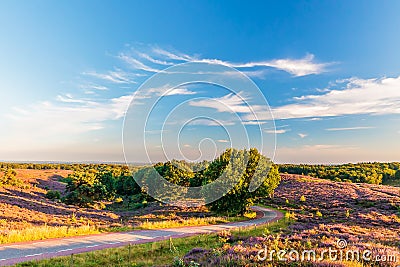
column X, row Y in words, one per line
column 233, row 103
column 67, row 115
column 136, row 64
column 280, row 131
column 302, row 135
column 92, row 86
column 349, row 128
column 117, row 76
column 212, row 122
column 223, row 141
column 297, row 67
column 372, row 96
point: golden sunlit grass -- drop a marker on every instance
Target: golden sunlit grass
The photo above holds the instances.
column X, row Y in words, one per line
column 186, row 222
column 45, row 232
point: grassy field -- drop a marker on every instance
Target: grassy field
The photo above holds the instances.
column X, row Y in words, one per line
column 157, row 253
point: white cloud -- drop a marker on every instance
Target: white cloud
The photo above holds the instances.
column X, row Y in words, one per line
column 223, row 141
column 349, row 128
column 315, row 119
column 280, row 131
column 233, row 103
column 136, row 64
column 302, row 135
column 179, row 91
column 211, row 122
column 296, row 67
column 255, row 122
column 373, row 96
column 66, row 116
column 92, row 86
column 117, row 76
column 164, row 91
column 173, row 55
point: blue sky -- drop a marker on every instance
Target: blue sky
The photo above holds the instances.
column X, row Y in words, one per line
column 330, row 72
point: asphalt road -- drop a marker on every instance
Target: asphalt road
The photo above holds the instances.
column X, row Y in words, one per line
column 19, row 252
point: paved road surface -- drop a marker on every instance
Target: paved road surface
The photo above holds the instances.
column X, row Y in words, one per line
column 20, row 252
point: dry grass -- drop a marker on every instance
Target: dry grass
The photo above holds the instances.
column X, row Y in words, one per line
column 45, row 232
column 186, row 222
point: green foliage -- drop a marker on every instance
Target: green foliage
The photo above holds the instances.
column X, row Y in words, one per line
column 232, row 163
column 372, row 173
column 85, row 188
column 53, row 194
column 176, row 172
column 397, row 175
column 127, row 186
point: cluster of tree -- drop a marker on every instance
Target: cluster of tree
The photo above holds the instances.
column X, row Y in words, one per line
column 88, row 186
column 370, row 172
column 238, row 169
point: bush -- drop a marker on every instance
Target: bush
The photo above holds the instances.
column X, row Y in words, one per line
column 259, row 168
column 53, row 194
column 85, row 188
column 10, row 178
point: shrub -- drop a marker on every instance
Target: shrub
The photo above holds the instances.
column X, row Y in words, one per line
column 53, row 194
column 10, row 178
column 252, row 167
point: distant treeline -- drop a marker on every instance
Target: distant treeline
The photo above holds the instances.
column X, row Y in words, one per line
column 370, row 172
column 57, row 166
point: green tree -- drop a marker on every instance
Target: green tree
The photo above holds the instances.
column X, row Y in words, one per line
column 232, row 164
column 397, row 175
column 86, row 187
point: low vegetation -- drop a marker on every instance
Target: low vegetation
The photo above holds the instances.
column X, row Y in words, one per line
column 157, row 253
column 372, row 173
column 45, row 232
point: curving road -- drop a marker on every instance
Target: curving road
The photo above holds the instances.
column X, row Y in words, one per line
column 19, row 252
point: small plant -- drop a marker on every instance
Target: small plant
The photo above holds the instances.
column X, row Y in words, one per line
column 53, row 194
column 347, row 214
column 290, row 215
column 303, row 198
